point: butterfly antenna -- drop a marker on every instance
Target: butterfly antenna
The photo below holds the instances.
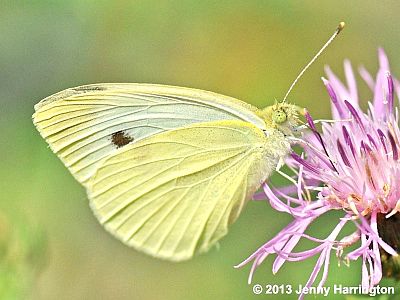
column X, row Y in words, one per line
column 335, row 34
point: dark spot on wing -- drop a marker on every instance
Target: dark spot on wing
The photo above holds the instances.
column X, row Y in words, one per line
column 89, row 88
column 121, row 139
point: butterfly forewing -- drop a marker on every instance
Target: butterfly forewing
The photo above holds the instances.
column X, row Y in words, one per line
column 84, row 125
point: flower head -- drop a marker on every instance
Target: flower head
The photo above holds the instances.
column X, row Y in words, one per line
column 352, row 166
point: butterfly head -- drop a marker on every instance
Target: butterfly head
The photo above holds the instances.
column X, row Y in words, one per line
column 282, row 116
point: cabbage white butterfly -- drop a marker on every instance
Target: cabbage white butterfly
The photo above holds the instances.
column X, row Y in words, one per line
column 167, row 169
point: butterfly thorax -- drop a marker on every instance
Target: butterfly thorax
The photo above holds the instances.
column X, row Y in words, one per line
column 281, row 116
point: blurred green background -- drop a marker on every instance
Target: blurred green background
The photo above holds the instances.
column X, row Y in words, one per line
column 251, row 50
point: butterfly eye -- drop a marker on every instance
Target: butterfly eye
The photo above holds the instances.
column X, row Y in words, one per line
column 279, row 116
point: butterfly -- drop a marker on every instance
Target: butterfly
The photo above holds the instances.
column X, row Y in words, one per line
column 167, row 169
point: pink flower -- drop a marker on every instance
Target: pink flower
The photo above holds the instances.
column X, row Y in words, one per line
column 354, row 167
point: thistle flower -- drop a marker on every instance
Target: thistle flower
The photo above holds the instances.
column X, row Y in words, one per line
column 353, row 166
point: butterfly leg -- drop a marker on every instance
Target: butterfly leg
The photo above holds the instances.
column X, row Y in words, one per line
column 280, row 164
column 306, row 126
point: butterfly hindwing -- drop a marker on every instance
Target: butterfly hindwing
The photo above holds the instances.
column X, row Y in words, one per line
column 173, row 194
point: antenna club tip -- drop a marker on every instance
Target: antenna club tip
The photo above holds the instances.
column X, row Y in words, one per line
column 341, row 26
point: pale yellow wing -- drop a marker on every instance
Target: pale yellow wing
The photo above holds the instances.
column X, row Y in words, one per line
column 173, row 195
column 85, row 124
